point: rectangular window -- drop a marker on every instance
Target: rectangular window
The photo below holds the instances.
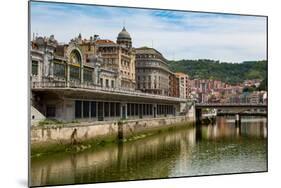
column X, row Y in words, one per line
column 100, row 111
column 106, row 109
column 112, row 83
column 101, row 82
column 86, row 109
column 78, row 109
column 74, row 73
column 157, row 110
column 137, row 109
column 34, row 68
column 133, row 109
column 117, row 109
column 107, row 83
column 93, row 109
column 112, row 109
column 129, row 109
column 88, row 75
column 59, row 70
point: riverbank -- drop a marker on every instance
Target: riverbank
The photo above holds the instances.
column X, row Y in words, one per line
column 77, row 137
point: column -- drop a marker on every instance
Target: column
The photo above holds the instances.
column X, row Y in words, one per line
column 103, row 111
column 82, row 74
column 90, row 110
column 97, row 110
column 124, row 111
column 121, row 110
column 67, row 74
column 82, row 109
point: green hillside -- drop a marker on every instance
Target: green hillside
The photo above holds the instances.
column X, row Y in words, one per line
column 227, row 72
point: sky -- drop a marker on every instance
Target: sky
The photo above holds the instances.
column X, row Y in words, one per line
column 176, row 34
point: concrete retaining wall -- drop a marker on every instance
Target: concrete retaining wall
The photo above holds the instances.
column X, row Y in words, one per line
column 115, row 129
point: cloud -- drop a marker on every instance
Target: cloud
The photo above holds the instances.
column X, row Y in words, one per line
column 177, row 35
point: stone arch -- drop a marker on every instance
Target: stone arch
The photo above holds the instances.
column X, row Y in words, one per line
column 75, row 63
column 74, row 52
column 75, row 57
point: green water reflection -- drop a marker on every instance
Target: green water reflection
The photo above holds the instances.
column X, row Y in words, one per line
column 212, row 149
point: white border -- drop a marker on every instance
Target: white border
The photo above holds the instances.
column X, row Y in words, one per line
column 13, row 134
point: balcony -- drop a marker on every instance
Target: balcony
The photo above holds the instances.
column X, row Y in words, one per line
column 49, row 85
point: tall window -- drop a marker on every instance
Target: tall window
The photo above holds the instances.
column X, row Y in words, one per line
column 74, row 73
column 107, row 83
column 112, row 84
column 106, row 109
column 88, row 75
column 93, row 109
column 78, row 109
column 86, row 109
column 59, row 70
column 117, row 108
column 34, row 68
column 112, row 109
column 75, row 57
column 101, row 82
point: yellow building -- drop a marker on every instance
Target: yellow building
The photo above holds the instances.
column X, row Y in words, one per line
column 119, row 57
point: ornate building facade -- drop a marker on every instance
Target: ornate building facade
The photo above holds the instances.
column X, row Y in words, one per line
column 119, row 57
column 94, row 80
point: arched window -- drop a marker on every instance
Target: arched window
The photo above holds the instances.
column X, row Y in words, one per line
column 75, row 57
column 75, row 60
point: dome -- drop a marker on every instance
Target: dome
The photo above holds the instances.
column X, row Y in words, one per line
column 124, row 34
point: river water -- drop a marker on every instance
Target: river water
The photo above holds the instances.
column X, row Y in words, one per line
column 198, row 150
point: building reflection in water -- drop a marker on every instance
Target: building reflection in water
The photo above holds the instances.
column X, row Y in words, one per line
column 202, row 149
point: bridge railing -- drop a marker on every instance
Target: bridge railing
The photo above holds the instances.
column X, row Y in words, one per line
column 231, row 104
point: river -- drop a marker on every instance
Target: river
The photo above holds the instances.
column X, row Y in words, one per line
column 198, row 150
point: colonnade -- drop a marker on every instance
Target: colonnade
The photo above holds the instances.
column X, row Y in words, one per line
column 106, row 110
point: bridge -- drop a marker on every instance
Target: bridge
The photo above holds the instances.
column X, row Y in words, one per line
column 235, row 109
column 230, row 105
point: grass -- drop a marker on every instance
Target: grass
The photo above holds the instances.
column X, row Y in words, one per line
column 45, row 149
column 49, row 122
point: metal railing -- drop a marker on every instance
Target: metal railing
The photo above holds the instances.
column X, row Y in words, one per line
column 230, row 104
column 124, row 91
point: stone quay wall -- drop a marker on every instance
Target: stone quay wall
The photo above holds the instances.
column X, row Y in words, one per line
column 107, row 129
